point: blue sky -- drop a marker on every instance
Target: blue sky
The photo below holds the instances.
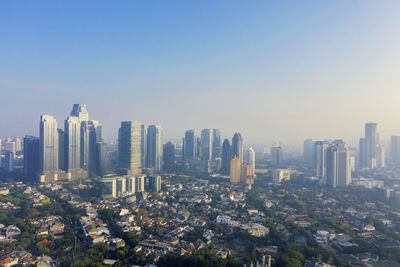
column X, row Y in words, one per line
column 274, row 71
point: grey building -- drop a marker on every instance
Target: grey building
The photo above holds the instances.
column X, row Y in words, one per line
column 206, row 142
column 31, row 156
column 48, row 147
column 226, row 157
column 129, row 146
column 237, row 147
column 189, row 145
column 154, row 147
column 169, row 157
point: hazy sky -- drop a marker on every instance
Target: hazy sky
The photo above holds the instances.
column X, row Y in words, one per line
column 282, row 70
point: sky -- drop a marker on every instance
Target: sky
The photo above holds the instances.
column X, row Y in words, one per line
column 275, row 71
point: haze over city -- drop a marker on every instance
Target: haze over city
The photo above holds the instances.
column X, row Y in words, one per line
column 272, row 71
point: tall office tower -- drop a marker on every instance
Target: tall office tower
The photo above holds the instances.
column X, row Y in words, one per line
column 276, row 156
column 84, row 145
column 169, row 157
column 189, row 145
column 319, row 158
column 395, row 151
column 154, row 147
column 72, row 143
column 48, row 151
column 198, row 147
column 361, row 154
column 206, row 143
column 154, row 183
column 139, row 183
column 237, row 147
column 250, row 158
column 31, row 156
column 338, row 170
column 308, row 147
column 235, row 171
column 129, row 146
column 95, row 136
column 370, row 145
column 7, row 162
column 11, row 146
column 80, row 111
column 102, row 160
column 0, row 145
column 226, row 157
column 216, row 143
column 18, row 144
column 380, row 156
column 61, row 149
column 143, row 146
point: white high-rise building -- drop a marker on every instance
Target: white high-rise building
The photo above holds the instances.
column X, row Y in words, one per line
column 250, row 158
column 338, row 165
column 48, row 150
column 80, row 111
column 319, row 158
column 72, row 143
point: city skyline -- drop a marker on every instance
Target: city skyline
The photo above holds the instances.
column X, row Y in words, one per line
column 118, row 59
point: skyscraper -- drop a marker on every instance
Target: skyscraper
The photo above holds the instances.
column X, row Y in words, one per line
column 189, row 145
column 95, row 137
column 31, row 156
column 169, row 157
column 235, row 171
column 154, row 183
column 61, row 149
column 48, row 150
column 154, row 147
column 143, row 146
column 308, row 147
column 102, row 160
column 18, row 144
column 250, row 158
column 72, row 143
column 319, row 158
column 361, row 154
column 395, row 151
column 11, row 146
column 276, row 156
column 380, row 156
column 216, row 144
column 237, row 147
column 80, row 111
column 129, row 146
column 338, row 165
column 226, row 157
column 206, row 142
column 370, row 145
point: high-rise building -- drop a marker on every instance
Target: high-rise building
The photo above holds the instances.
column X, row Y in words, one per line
column 250, row 158
column 370, row 145
column 237, row 147
column 85, row 145
column 380, row 156
column 395, row 151
column 102, row 160
column 361, row 154
column 189, row 145
column 61, row 149
column 48, row 151
column 11, row 146
column 31, row 156
column 276, row 156
column 154, row 147
column 80, row 111
column 308, row 147
column 226, row 157
column 319, row 158
column 72, row 143
column 216, row 144
column 206, row 143
column 169, row 157
column 95, row 138
column 129, row 146
column 235, row 171
column 154, row 183
column 7, row 162
column 338, row 165
column 143, row 147
column 18, row 144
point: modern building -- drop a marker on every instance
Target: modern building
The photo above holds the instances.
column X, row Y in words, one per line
column 308, row 149
column 189, row 145
column 250, row 158
column 280, row 175
column 143, row 147
column 80, row 111
column 395, row 151
column 319, row 158
column 61, row 149
column 31, row 156
column 361, row 154
column 154, row 183
column 155, row 147
column 380, row 156
column 48, row 150
column 129, row 146
column 7, row 162
column 206, row 143
column 72, row 143
column 11, row 147
column 338, row 170
column 169, row 157
column 95, row 138
column 216, row 143
column 102, row 161
column 237, row 147
column 226, row 157
column 276, row 156
column 235, row 171
column 370, row 145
